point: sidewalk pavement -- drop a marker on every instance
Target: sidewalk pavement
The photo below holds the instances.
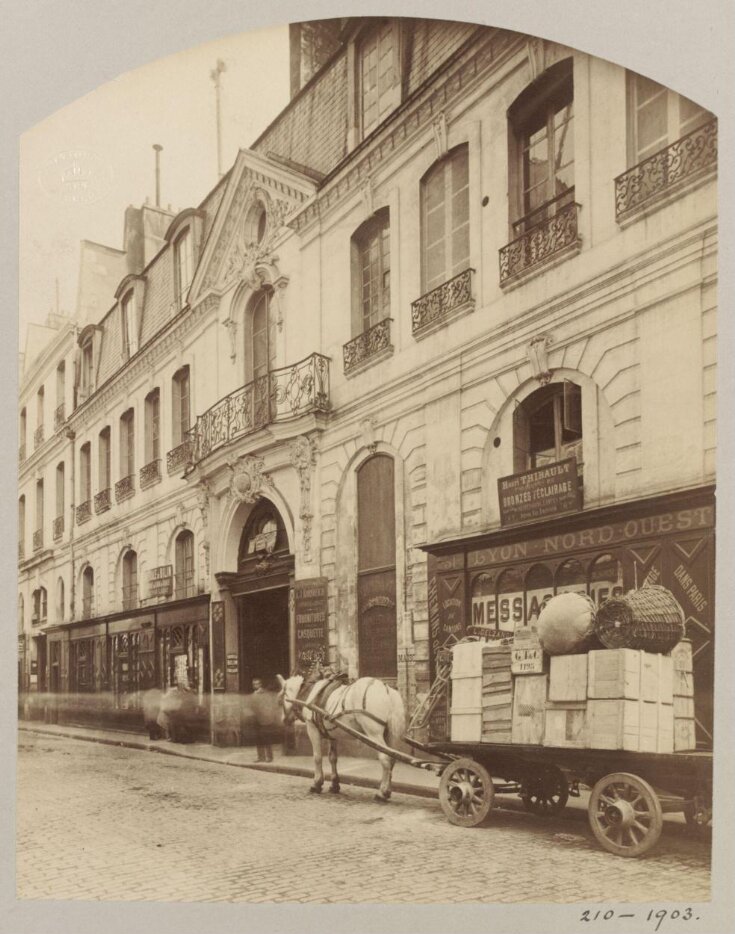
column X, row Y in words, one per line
column 362, row 772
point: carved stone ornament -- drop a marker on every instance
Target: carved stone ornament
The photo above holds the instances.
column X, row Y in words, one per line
column 441, row 142
column 279, row 295
column 303, row 458
column 537, row 355
column 203, row 501
column 368, row 426
column 231, row 325
column 247, row 479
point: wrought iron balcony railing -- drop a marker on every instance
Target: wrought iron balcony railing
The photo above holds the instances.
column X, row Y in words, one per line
column 150, row 474
column 366, row 345
column 21, row 453
column 178, row 458
column 38, row 437
column 440, row 303
column 58, row 527
column 281, row 395
column 102, row 501
column 125, row 488
column 38, row 540
column 540, row 243
column 59, row 416
column 84, row 512
column 688, row 158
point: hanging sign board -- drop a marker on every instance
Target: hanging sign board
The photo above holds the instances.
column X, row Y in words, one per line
column 536, row 494
column 161, row 581
column 310, row 621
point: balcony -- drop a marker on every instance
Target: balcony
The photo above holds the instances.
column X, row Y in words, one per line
column 369, row 347
column 178, row 458
column 552, row 237
column 102, row 501
column 38, row 540
column 150, row 474
column 58, row 528
column 84, row 512
column 283, row 394
column 59, row 416
column 38, row 437
column 125, row 488
column 667, row 171
column 443, row 303
column 21, row 453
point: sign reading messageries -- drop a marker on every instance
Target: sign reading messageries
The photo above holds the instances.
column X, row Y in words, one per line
column 310, row 621
column 536, row 494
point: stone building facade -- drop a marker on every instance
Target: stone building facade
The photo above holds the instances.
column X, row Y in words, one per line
column 462, row 263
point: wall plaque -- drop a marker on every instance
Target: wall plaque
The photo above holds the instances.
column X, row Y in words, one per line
column 311, row 622
column 536, row 494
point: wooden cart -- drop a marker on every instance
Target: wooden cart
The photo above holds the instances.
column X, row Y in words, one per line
column 631, row 791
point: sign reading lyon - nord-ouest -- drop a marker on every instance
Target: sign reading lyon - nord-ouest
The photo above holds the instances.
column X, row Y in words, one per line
column 536, row 494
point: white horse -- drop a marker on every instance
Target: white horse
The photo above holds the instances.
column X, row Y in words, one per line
column 366, row 705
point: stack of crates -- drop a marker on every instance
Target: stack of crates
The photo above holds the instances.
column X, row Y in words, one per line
column 497, row 694
column 684, row 732
column 481, row 693
column 567, row 723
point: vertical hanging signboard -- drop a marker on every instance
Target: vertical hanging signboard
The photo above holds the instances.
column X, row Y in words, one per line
column 218, row 645
column 310, row 622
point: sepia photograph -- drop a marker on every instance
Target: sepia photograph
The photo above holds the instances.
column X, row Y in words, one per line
column 368, row 441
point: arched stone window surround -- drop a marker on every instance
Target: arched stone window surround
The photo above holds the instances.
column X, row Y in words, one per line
column 233, row 521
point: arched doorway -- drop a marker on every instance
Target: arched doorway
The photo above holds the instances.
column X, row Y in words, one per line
column 264, row 569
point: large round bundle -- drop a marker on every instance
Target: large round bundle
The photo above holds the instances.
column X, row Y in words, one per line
column 566, row 624
column 649, row 619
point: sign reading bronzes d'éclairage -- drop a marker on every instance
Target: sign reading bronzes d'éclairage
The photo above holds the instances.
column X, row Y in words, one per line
column 538, row 493
column 310, row 621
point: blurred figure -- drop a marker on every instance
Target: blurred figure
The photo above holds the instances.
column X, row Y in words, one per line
column 262, row 724
column 151, row 708
column 176, row 713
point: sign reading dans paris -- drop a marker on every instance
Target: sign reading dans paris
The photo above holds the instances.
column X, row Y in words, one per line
column 535, row 494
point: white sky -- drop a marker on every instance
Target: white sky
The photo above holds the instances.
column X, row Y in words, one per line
column 171, row 102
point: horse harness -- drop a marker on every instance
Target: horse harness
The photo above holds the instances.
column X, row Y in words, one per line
column 320, row 700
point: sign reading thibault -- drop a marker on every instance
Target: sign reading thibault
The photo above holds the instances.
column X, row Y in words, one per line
column 536, row 494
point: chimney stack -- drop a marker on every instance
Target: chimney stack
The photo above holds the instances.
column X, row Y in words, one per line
column 158, row 149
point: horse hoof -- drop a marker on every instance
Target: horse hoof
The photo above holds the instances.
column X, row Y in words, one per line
column 380, row 799
column 334, row 789
column 314, row 790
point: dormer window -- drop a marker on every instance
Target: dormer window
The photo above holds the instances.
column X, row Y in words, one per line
column 128, row 325
column 183, row 267
column 87, row 367
column 379, row 88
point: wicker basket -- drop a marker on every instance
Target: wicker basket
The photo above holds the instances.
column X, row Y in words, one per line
column 649, row 619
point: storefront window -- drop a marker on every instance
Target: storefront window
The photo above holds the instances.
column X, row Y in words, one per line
column 571, row 577
column 605, row 579
column 539, row 589
column 484, row 605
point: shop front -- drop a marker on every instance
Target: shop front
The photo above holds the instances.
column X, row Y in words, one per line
column 499, row 581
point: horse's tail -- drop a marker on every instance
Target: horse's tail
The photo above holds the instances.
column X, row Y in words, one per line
column 396, row 723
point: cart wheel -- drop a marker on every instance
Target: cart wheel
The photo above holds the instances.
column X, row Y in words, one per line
column 625, row 814
column 466, row 793
column 545, row 792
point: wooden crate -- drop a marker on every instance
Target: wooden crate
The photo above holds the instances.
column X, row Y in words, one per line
column 527, row 656
column 499, row 676
column 681, row 656
column 665, row 733
column 467, row 659
column 568, row 678
column 529, row 708
column 619, row 723
column 466, row 692
column 683, row 683
column 566, row 725
column 614, row 674
column 465, row 726
column 683, row 708
column 657, row 678
column 685, row 735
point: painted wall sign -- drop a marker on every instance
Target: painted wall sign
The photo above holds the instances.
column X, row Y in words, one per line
column 218, row 645
column 536, row 494
column 161, row 581
column 311, row 613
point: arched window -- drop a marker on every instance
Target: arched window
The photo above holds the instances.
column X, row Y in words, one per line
column 60, row 600
column 445, row 219
column 511, row 594
column 128, row 325
column 264, row 533
column 40, row 606
column 547, row 427
column 371, row 272
column 184, row 565
column 571, row 577
column 183, row 267
column 376, row 567
column 23, row 430
column 130, row 580
column 260, row 337
column 539, row 589
column 605, row 579
column 153, row 426
column 542, row 148
column 87, row 593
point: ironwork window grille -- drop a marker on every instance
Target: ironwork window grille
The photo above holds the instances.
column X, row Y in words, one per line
column 84, row 512
column 59, row 416
column 367, row 345
column 149, row 474
column 445, row 219
column 58, row 528
column 125, row 488
column 102, row 500
column 179, row 457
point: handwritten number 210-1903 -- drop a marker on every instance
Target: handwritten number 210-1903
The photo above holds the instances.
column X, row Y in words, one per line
column 657, row 916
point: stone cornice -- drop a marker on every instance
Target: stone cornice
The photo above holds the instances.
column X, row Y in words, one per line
column 411, row 119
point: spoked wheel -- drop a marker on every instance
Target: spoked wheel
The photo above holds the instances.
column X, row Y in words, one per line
column 545, row 792
column 466, row 793
column 625, row 814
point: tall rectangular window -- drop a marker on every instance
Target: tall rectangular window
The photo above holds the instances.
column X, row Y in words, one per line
column 658, row 117
column 60, row 489
column 445, row 219
column 39, row 505
column 127, row 444
column 105, row 473
column 184, row 565
column 376, row 567
column 180, row 414
column 85, row 473
column 378, row 76
column 183, row 266
column 87, row 367
column 152, row 426
column 60, row 384
column 371, row 272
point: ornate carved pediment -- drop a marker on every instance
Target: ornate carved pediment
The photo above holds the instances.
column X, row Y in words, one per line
column 247, row 479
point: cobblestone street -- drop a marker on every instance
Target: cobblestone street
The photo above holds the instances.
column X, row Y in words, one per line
column 104, row 822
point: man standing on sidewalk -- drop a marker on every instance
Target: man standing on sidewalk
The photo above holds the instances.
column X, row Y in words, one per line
column 262, row 724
